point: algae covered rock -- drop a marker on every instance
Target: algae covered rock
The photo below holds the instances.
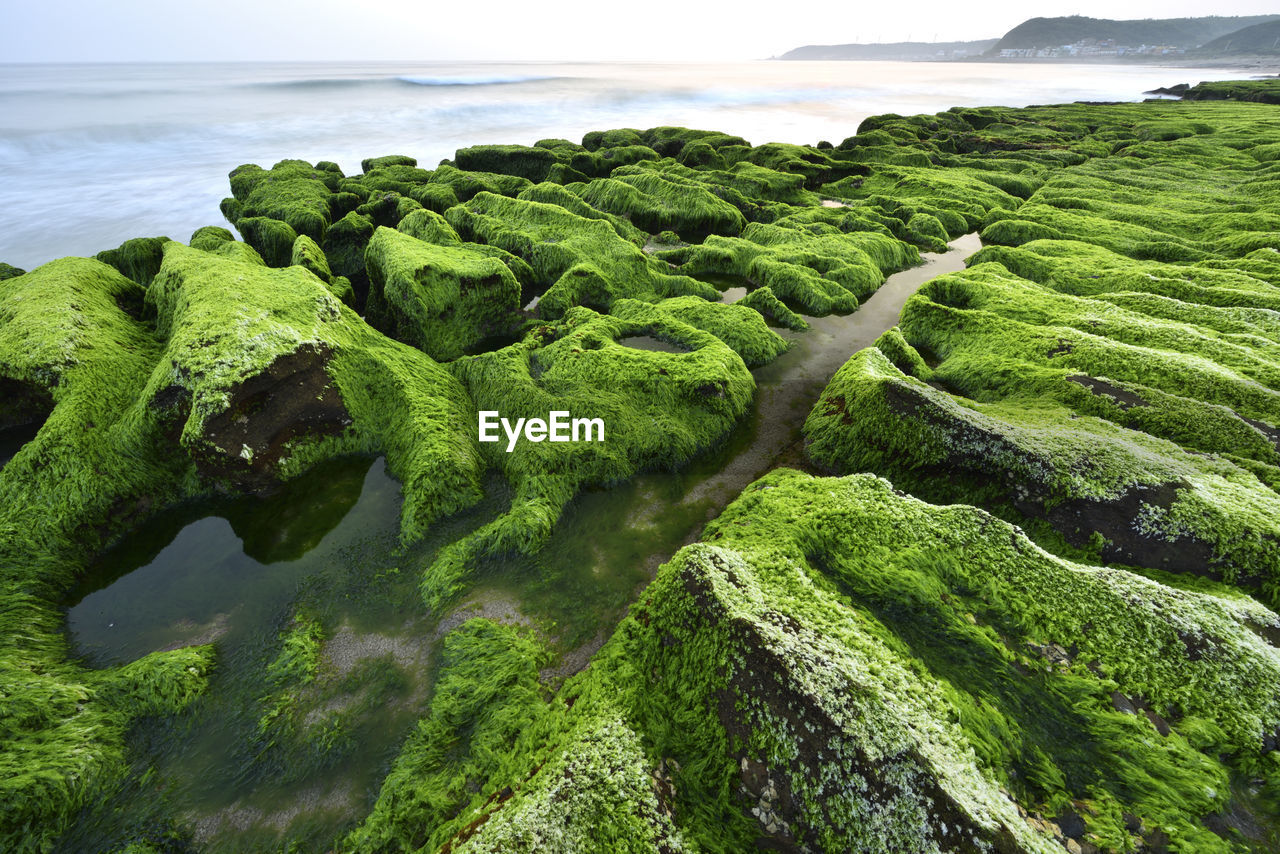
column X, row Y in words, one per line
column 557, row 195
column 928, row 231
column 656, row 201
column 966, row 192
column 578, row 261
column 466, row 184
column 263, row 368
column 1107, row 374
column 307, row 254
column 530, row 163
column 370, row 164
column 210, row 238
column 344, row 245
column 272, row 238
column 292, row 191
column 441, row 299
column 67, row 329
column 823, row 273
column 1126, row 405
column 840, row 667
column 138, row 259
column 738, row 325
column 767, row 303
column 242, row 375
column 1152, row 503
column 651, row 410
column 835, row 665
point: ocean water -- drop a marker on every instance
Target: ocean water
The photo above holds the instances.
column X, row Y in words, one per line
column 91, row 155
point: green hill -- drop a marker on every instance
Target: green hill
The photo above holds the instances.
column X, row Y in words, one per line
column 1174, row 32
column 1261, row 38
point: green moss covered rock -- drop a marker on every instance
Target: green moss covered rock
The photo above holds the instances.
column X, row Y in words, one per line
column 579, row 261
column 842, row 667
column 442, row 299
column 656, row 201
column 292, row 191
column 822, row 273
column 138, row 259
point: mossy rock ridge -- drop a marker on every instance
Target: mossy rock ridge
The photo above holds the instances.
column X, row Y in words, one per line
column 840, row 667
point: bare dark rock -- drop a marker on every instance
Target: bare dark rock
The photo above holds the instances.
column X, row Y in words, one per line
column 291, row 398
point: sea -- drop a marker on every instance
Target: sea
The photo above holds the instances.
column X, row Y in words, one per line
column 91, row 155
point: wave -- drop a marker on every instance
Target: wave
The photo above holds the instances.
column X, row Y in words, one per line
column 463, row 80
column 316, row 83
column 625, row 98
column 402, row 80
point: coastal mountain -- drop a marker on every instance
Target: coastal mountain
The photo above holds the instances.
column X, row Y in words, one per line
column 1260, row 39
column 1078, row 37
column 902, row 51
column 1172, row 32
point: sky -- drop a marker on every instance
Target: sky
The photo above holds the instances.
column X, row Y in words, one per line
column 319, row 30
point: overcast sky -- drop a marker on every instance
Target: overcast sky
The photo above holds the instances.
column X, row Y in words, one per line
column 139, row 30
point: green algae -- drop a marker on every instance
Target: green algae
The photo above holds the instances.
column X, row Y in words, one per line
column 1116, row 334
column 1263, row 91
column 831, row 651
column 738, row 326
column 137, row 259
column 292, row 191
column 821, row 273
column 431, row 227
column 1117, row 351
column 466, row 185
column 271, row 238
column 658, row 410
column 554, row 194
column 659, row 201
column 531, row 163
column 210, row 238
column 135, row 426
column 578, row 261
column 344, row 245
column 299, row 329
column 441, row 299
column 1157, row 504
column 485, row 695
column 306, row 253
column 764, row 300
column 964, row 192
column 64, row 727
column 269, row 755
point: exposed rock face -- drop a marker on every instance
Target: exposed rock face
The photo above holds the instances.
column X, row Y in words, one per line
column 23, row 402
column 291, row 398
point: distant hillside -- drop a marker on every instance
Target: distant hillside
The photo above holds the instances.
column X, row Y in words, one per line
column 1174, row 32
column 902, row 51
column 1259, row 39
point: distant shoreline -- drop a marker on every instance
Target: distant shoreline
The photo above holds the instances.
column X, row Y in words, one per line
column 1227, row 63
